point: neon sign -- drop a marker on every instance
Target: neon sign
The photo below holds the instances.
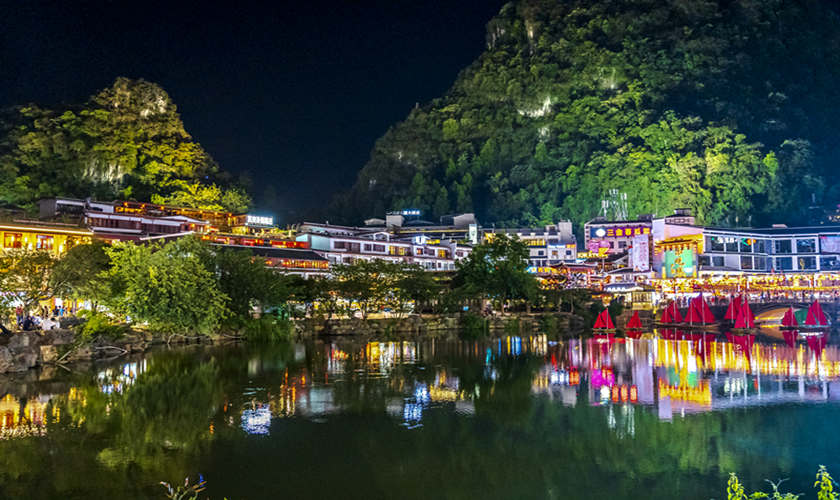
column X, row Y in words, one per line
column 259, row 220
column 618, row 231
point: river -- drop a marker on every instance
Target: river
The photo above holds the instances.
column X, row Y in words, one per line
column 517, row 417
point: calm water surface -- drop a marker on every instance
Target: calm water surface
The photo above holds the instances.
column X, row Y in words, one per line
column 520, row 417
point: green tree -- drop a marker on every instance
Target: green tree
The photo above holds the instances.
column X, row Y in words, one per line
column 206, row 197
column 169, row 287
column 81, row 273
column 248, row 285
column 497, row 269
column 25, row 278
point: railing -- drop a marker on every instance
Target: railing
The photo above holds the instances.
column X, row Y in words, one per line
column 21, row 217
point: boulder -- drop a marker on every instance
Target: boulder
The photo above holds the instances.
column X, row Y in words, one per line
column 6, row 360
column 49, row 354
column 26, row 359
column 21, row 340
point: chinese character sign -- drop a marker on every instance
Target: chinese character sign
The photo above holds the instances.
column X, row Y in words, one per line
column 640, row 253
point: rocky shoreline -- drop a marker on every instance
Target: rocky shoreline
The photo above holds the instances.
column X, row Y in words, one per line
column 24, row 350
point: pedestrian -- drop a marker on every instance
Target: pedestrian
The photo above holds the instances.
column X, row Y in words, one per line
column 19, row 314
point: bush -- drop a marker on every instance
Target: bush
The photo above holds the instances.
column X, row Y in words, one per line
column 825, row 484
column 513, row 327
column 98, row 324
column 473, row 327
column 549, row 323
column 268, row 329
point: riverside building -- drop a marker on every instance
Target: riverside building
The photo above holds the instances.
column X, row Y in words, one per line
column 347, row 246
column 694, row 251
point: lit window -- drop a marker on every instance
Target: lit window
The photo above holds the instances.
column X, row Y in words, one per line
column 13, row 240
column 44, row 242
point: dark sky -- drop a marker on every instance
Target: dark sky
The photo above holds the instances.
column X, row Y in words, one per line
column 295, row 94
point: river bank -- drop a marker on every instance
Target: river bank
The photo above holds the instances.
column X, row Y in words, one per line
column 24, row 350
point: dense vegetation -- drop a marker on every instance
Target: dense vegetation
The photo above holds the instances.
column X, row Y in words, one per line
column 188, row 287
column 126, row 142
column 722, row 106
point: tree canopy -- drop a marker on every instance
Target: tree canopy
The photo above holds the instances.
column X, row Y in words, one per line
column 722, row 107
column 497, row 269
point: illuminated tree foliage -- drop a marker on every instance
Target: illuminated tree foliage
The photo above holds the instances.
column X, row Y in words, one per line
column 25, row 278
column 378, row 284
column 127, row 141
column 722, row 107
column 169, row 287
column 81, row 273
column 497, row 270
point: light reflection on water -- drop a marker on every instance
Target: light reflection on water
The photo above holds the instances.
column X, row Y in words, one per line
column 175, row 412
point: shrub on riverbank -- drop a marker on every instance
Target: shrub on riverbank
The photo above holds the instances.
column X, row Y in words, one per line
column 473, row 327
column 98, row 324
column 824, row 484
column 268, row 329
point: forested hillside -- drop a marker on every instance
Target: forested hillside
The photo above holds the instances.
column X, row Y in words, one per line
column 127, row 142
column 728, row 107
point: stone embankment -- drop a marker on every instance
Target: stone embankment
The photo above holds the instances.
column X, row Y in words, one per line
column 29, row 349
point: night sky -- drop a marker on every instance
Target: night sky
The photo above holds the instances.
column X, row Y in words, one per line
column 294, row 95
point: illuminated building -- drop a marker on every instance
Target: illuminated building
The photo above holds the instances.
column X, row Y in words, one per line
column 34, row 235
column 689, row 251
column 340, row 246
column 69, row 206
column 125, row 220
column 613, row 237
column 298, row 261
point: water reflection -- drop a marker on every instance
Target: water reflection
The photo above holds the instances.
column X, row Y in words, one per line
column 163, row 416
column 668, row 376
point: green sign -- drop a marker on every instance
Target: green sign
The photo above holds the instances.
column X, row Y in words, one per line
column 680, row 264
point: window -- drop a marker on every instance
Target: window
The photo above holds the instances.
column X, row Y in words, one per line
column 759, row 246
column 829, row 263
column 13, row 240
column 807, row 263
column 782, row 246
column 622, row 244
column 705, row 261
column 715, row 243
column 806, row 246
column 44, row 242
column 540, row 253
column 745, row 245
column 783, row 263
column 367, row 247
column 378, row 248
column 746, row 262
column 732, row 245
column 760, row 263
column 717, row 261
